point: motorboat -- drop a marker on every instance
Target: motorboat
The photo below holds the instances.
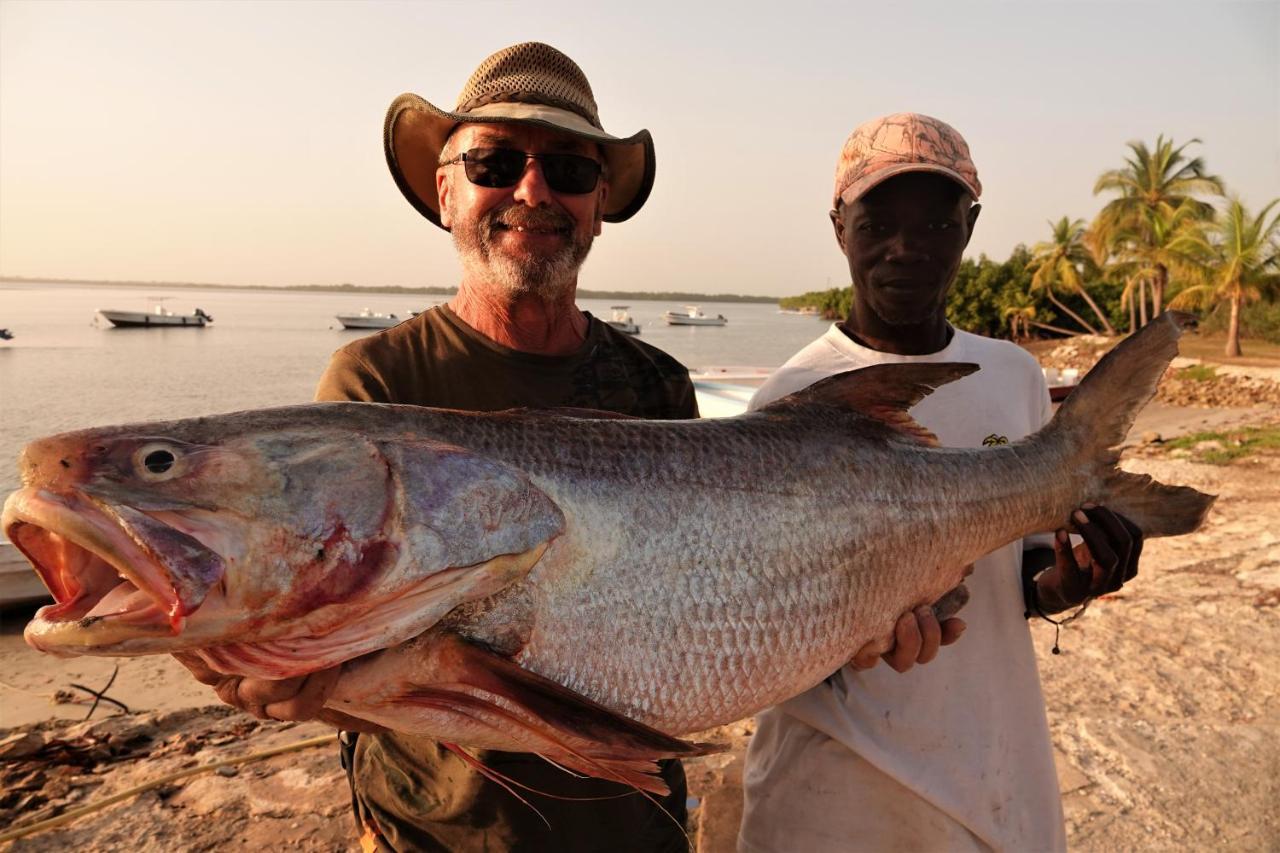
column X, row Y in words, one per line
column 723, row 392
column 368, row 319
column 692, row 316
column 157, row 317
column 621, row 320
column 18, row 584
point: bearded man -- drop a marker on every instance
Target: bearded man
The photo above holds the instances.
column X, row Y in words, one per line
column 523, row 175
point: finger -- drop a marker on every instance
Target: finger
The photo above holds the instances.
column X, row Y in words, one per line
column 867, row 657
column 906, row 648
column 1099, row 549
column 1074, row 581
column 951, row 630
column 1121, row 541
column 265, row 691
column 310, row 699
column 202, row 672
column 1135, row 552
column 930, row 634
column 348, row 723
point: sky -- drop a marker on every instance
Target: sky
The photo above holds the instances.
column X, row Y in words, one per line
column 241, row 142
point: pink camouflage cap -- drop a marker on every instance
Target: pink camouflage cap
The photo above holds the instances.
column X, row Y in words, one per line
column 902, row 142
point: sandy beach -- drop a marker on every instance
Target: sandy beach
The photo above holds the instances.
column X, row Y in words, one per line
column 1164, row 707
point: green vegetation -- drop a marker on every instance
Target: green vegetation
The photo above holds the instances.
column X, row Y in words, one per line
column 1222, row 448
column 1198, row 373
column 1167, row 236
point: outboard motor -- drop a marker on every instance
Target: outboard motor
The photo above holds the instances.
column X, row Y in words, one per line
column 200, row 313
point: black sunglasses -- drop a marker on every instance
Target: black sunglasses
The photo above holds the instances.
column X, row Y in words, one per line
column 499, row 168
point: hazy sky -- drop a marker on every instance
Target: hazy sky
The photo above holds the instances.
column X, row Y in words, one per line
column 241, row 142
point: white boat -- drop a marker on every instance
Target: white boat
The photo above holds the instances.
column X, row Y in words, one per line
column 19, row 584
column 158, row 317
column 621, row 320
column 723, row 392
column 692, row 316
column 368, row 319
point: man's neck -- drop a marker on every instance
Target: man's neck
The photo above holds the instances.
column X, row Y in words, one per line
column 525, row 323
column 925, row 339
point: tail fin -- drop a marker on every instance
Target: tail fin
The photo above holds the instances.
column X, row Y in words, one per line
column 1099, row 413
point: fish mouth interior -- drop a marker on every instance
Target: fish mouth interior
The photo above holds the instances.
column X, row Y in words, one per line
column 87, row 577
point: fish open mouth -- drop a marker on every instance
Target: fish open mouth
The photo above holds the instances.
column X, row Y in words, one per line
column 96, row 571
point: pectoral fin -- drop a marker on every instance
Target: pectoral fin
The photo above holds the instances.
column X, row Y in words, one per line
column 453, row 690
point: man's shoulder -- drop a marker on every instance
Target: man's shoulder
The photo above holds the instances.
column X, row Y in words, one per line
column 995, row 349
column 636, row 349
column 392, row 342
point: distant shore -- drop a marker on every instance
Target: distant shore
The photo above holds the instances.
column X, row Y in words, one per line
column 647, row 296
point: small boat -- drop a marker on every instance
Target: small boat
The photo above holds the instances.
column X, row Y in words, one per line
column 692, row 316
column 158, row 317
column 6, row 335
column 723, row 392
column 621, row 320
column 18, row 583
column 368, row 319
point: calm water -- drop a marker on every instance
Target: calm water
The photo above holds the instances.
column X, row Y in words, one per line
column 266, row 348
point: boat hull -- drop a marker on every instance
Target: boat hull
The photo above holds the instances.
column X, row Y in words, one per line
column 367, row 322
column 143, row 320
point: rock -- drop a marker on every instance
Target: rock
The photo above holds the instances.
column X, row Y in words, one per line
column 1152, row 437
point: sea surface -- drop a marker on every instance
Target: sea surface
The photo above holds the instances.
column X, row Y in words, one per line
column 64, row 369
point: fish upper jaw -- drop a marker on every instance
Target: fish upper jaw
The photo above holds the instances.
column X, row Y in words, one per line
column 115, row 573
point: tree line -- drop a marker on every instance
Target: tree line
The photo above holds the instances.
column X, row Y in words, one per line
column 1169, row 235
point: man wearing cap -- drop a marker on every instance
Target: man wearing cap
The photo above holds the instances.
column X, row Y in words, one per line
column 522, row 175
column 954, row 756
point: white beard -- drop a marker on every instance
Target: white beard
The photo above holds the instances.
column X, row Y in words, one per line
column 548, row 278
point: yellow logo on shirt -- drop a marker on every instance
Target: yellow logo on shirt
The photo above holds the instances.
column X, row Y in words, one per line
column 994, row 440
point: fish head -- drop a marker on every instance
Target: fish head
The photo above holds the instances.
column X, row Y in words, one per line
column 175, row 535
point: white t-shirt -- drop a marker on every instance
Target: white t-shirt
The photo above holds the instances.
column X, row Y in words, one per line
column 952, row 755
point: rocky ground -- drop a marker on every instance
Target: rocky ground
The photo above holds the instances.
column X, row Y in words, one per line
column 1164, row 704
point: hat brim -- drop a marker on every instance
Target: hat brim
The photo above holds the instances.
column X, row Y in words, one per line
column 859, row 188
column 415, row 132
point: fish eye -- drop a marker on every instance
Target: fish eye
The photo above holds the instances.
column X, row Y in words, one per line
column 156, row 461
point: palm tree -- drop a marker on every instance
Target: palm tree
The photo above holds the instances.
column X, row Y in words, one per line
column 1164, row 246
column 1058, row 265
column 1152, row 185
column 1247, row 250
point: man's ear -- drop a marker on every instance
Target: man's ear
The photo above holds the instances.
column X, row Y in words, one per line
column 972, row 219
column 837, row 222
column 442, row 193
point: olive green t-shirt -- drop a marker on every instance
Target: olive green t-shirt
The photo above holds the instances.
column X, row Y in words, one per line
column 420, row 795
column 435, row 359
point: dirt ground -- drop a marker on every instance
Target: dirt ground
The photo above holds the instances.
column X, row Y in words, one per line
column 1164, row 707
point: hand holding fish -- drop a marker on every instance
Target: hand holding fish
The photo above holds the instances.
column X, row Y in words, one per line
column 918, row 635
column 1105, row 561
column 300, row 698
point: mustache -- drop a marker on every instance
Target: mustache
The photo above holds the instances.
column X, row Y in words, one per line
column 519, row 216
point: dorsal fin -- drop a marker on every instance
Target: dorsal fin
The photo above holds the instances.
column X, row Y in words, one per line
column 883, row 392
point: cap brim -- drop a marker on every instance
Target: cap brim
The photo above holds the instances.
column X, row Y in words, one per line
column 415, row 131
column 861, row 187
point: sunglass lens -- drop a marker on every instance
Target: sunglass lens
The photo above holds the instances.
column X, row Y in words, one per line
column 569, row 173
column 494, row 167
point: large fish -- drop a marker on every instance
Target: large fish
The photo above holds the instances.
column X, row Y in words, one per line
column 592, row 586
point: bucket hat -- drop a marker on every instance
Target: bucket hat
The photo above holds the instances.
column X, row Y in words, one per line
column 898, row 143
column 529, row 83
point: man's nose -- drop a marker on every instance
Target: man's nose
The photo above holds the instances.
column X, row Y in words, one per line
column 907, row 247
column 532, row 188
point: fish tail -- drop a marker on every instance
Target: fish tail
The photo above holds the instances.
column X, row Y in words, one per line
column 1097, row 416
